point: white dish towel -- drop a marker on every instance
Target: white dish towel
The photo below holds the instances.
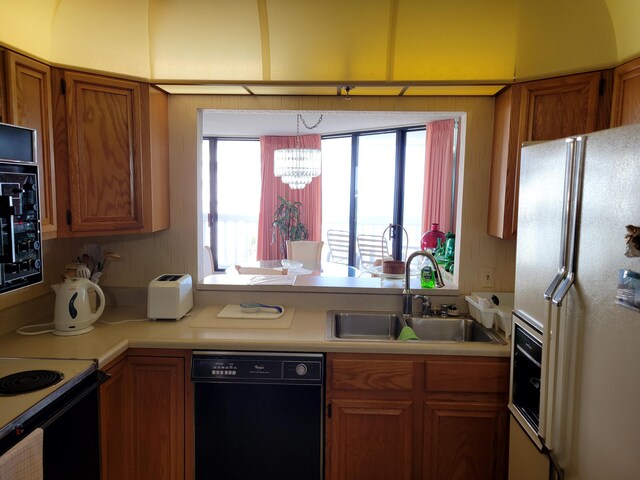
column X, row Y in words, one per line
column 24, row 460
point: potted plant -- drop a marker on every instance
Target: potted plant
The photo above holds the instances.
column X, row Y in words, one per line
column 287, row 225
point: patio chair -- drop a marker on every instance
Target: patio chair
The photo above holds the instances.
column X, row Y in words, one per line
column 372, row 249
column 338, row 241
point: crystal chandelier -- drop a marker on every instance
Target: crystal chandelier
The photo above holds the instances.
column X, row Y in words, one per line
column 298, row 166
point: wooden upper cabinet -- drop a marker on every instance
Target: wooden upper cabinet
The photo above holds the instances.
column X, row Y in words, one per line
column 105, row 154
column 28, row 94
column 625, row 108
column 534, row 111
column 112, row 141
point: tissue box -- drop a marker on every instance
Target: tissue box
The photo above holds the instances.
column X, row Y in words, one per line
column 170, row 296
column 498, row 315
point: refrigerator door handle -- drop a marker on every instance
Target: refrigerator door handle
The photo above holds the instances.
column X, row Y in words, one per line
column 564, row 287
column 566, row 218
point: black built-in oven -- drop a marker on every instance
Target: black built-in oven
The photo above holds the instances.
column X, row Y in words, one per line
column 527, row 371
column 20, row 237
column 526, row 395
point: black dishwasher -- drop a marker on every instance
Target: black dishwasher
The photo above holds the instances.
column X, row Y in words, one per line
column 258, row 415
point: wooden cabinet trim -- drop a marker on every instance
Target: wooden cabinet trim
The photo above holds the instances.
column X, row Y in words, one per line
column 625, row 104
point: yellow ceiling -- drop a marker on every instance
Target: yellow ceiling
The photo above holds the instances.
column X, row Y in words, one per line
column 388, row 46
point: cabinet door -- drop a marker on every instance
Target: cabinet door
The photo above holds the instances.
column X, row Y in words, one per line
column 371, row 440
column 625, row 108
column 115, row 425
column 142, row 419
column 534, row 111
column 559, row 107
column 28, row 86
column 156, row 386
column 104, row 119
column 464, row 441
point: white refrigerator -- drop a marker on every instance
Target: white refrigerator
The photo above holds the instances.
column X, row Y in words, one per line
column 577, row 310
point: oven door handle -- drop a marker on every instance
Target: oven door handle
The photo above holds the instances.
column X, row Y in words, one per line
column 7, row 213
column 101, row 377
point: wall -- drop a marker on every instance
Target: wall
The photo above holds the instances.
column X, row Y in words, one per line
column 175, row 250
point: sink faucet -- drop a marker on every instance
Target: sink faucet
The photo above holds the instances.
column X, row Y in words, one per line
column 407, row 294
column 427, row 308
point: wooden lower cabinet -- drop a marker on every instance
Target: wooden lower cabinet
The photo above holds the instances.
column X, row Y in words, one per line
column 371, row 440
column 428, row 417
column 464, row 440
column 114, row 413
column 142, row 417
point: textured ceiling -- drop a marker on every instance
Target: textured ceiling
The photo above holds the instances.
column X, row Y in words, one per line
column 278, row 46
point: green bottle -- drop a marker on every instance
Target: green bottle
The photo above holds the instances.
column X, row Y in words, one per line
column 426, row 277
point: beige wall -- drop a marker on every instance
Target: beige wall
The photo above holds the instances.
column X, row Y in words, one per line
column 175, row 250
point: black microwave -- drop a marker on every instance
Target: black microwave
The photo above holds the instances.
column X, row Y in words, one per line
column 20, row 234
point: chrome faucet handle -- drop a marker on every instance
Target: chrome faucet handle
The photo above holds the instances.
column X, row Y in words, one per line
column 427, row 310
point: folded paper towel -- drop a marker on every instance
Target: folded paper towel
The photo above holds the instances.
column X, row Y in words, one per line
column 407, row 333
column 24, row 461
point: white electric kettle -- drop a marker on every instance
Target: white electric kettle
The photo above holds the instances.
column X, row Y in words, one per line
column 72, row 313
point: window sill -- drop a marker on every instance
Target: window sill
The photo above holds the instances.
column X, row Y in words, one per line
column 317, row 284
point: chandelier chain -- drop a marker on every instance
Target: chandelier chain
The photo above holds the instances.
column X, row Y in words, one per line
column 305, row 123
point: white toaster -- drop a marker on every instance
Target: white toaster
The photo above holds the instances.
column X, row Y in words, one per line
column 170, row 296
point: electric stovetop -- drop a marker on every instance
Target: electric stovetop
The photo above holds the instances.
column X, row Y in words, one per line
column 29, row 384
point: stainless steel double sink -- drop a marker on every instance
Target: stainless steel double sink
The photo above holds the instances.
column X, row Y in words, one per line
column 386, row 327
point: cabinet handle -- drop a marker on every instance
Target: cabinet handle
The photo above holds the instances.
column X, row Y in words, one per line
column 329, row 411
column 68, row 217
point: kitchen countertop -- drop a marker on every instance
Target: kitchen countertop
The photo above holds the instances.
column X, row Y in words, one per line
column 306, row 334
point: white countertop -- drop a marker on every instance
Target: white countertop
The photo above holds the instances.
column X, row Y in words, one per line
column 306, row 334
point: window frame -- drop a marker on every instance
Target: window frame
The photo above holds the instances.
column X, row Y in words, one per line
column 399, row 184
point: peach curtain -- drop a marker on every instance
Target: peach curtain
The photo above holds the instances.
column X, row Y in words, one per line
column 272, row 187
column 438, row 176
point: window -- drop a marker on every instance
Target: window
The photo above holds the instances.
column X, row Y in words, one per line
column 231, row 193
column 388, row 168
column 370, row 179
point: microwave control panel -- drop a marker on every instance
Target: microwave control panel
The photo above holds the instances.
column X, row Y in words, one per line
column 20, row 244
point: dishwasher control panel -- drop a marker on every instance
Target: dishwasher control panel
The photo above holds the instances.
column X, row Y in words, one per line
column 260, row 367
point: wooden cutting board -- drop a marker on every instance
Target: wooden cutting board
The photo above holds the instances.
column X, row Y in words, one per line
column 232, row 317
